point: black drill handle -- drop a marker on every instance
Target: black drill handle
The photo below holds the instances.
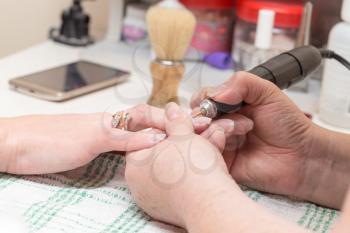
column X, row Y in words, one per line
column 283, row 70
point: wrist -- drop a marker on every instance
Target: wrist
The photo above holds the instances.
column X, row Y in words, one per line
column 327, row 170
column 205, row 194
column 221, row 206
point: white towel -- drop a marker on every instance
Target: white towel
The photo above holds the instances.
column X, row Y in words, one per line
column 95, row 198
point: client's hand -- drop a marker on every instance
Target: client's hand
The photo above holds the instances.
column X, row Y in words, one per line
column 169, row 179
column 184, row 181
column 285, row 153
column 48, row 144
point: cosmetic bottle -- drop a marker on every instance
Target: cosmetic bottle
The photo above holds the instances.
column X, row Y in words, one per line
column 335, row 94
column 262, row 50
column 288, row 16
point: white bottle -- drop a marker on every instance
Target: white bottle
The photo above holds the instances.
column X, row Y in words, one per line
column 262, row 50
column 335, row 94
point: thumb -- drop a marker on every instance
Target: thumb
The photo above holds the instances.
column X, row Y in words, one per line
column 177, row 121
column 245, row 87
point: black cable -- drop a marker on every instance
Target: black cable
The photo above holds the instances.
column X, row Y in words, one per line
column 342, row 60
column 329, row 54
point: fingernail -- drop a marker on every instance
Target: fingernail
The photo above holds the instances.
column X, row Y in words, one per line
column 172, row 111
column 217, row 90
column 231, row 126
column 228, row 125
column 250, row 125
column 159, row 137
column 201, row 121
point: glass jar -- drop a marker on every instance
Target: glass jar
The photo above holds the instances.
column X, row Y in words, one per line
column 287, row 21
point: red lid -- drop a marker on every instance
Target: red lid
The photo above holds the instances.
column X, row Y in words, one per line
column 288, row 15
column 209, row 4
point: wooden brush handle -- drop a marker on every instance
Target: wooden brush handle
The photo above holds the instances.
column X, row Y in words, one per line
column 166, row 81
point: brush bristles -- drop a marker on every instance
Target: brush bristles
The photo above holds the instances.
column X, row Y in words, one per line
column 170, row 31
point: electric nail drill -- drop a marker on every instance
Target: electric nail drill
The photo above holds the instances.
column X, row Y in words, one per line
column 283, row 70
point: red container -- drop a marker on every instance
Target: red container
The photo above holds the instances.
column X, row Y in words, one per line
column 288, row 15
column 214, row 28
column 287, row 21
column 209, row 4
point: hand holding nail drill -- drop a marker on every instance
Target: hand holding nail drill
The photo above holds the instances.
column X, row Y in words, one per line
column 269, row 145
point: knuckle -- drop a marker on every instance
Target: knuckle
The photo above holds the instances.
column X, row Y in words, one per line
column 260, row 88
column 142, row 107
column 242, row 75
column 240, row 78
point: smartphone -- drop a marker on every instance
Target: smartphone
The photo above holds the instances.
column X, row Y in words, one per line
column 68, row 81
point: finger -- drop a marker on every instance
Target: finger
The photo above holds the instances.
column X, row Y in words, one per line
column 216, row 133
column 144, row 116
column 246, row 87
column 229, row 158
column 177, row 121
column 200, row 124
column 242, row 124
column 141, row 157
column 199, row 96
column 131, row 141
column 226, row 125
column 218, row 138
column 234, row 142
column 233, row 124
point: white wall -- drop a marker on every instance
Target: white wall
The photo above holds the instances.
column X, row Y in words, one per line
column 24, row 23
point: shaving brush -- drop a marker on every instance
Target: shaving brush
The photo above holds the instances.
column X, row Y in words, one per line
column 170, row 26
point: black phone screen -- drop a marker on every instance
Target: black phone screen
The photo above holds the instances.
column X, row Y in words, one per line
column 73, row 76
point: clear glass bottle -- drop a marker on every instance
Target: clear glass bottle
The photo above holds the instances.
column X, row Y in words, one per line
column 287, row 21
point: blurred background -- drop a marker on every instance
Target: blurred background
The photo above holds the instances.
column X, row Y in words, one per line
column 24, row 23
column 228, row 36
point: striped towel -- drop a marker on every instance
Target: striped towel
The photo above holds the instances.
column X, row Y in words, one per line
column 95, row 198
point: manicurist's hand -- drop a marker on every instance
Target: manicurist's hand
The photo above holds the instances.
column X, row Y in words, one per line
column 48, row 144
column 284, row 153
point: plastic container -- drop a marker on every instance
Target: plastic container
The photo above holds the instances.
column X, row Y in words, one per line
column 263, row 39
column 215, row 20
column 287, row 21
column 134, row 25
column 335, row 94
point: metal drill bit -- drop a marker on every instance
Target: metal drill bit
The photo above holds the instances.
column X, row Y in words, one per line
column 198, row 114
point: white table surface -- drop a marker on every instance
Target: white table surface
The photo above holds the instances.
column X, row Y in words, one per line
column 135, row 90
column 50, row 54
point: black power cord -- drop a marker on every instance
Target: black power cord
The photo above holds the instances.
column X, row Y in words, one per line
column 329, row 54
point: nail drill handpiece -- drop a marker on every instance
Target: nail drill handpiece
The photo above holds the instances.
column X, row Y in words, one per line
column 283, row 70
